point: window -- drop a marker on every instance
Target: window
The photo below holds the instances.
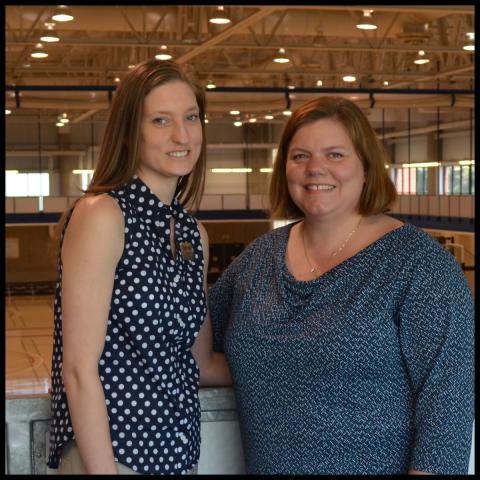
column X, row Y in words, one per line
column 27, row 184
column 457, row 180
column 410, row 180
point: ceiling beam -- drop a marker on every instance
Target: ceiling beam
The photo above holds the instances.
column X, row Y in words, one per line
column 331, row 47
column 246, row 22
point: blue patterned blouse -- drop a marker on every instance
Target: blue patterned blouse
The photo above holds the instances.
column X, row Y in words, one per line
column 367, row 369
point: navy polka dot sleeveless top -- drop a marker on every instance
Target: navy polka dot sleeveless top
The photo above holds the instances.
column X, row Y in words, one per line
column 149, row 376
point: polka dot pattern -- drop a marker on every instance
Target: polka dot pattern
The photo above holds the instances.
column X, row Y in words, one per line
column 149, row 376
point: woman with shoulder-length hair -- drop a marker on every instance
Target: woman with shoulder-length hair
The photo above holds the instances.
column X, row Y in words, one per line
column 349, row 334
column 132, row 338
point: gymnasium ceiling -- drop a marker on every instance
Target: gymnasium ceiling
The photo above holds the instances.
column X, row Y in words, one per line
column 322, row 43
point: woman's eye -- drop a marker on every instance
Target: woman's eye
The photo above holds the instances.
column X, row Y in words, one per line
column 160, row 121
column 299, row 156
column 336, row 155
column 194, row 117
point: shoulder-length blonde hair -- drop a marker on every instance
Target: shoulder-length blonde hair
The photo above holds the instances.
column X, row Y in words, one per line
column 119, row 152
column 378, row 192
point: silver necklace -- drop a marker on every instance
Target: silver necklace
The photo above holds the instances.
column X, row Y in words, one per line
column 314, row 268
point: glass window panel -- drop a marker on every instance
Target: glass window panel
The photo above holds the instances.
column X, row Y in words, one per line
column 421, row 180
column 456, row 188
column 447, row 175
column 27, row 185
column 465, row 187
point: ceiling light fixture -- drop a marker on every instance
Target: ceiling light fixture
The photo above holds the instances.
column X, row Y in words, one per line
column 366, row 22
column 421, row 59
column 470, row 45
column 189, row 36
column 210, row 85
column 164, row 54
column 62, row 14
column 237, row 123
column 269, row 117
column 281, row 56
column 266, row 170
column 287, row 112
column 319, row 83
column 252, row 120
column 59, row 124
column 319, row 40
column 349, row 78
column 234, row 112
column 421, row 164
column 49, row 34
column 39, row 51
column 7, row 111
column 63, row 118
column 219, row 17
column 385, row 83
column 231, row 170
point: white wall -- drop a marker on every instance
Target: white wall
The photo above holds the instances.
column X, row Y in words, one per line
column 231, row 183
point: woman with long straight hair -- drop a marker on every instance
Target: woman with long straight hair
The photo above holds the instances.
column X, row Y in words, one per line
column 132, row 338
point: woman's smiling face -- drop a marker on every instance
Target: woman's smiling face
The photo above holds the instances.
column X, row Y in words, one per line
column 325, row 175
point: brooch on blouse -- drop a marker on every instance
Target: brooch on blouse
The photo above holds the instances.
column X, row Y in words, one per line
column 186, row 249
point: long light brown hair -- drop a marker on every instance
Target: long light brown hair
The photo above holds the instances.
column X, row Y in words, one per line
column 378, row 192
column 119, row 153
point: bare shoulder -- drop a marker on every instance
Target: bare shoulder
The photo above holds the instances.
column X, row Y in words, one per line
column 97, row 224
column 97, row 210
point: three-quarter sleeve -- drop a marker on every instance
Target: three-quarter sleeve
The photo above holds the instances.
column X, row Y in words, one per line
column 436, row 326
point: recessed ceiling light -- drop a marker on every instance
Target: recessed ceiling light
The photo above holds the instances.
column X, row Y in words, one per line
column 62, row 14
column 470, row 45
column 269, row 117
column 367, row 23
column 39, row 51
column 234, row 112
column 349, row 78
column 421, row 59
column 237, row 123
column 49, row 35
column 164, row 54
column 281, row 57
column 219, row 17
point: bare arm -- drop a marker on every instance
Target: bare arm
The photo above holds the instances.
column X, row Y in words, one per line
column 92, row 246
column 213, row 365
column 418, row 472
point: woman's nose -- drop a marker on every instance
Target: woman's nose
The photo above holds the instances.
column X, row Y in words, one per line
column 316, row 165
column 179, row 132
